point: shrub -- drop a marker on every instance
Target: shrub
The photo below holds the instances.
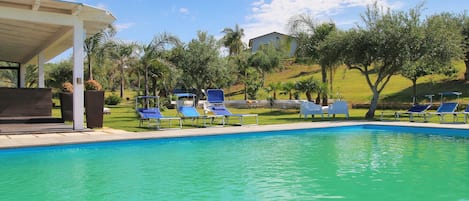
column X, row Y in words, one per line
column 92, row 85
column 67, row 87
column 113, row 99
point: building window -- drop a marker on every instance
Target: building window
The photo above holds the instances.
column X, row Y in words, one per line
column 9, row 74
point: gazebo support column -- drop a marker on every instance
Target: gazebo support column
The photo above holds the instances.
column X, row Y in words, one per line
column 40, row 61
column 78, row 89
column 22, row 76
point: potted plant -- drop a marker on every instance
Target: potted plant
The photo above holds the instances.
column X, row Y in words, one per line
column 94, row 104
column 66, row 101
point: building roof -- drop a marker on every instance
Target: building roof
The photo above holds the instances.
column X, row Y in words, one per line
column 250, row 40
column 28, row 27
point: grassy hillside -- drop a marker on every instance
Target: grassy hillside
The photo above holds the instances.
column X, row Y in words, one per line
column 352, row 86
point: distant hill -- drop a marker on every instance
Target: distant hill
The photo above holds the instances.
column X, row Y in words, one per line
column 352, row 86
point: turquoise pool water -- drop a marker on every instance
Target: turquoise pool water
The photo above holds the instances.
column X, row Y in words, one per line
column 348, row 163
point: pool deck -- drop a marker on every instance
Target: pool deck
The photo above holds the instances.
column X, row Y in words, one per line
column 107, row 134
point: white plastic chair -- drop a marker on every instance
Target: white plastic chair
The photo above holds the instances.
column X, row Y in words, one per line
column 338, row 107
column 309, row 108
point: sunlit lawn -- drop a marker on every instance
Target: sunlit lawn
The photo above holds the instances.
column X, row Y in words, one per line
column 123, row 117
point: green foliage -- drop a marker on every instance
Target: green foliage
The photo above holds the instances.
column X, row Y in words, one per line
column 31, row 77
column 113, row 99
column 308, row 86
column 252, row 83
column 434, row 42
column 311, row 37
column 122, row 55
column 266, row 59
column 274, row 87
column 386, row 43
column 58, row 73
column 233, row 40
column 201, row 64
column 288, row 88
column 464, row 23
column 93, row 47
column 159, row 73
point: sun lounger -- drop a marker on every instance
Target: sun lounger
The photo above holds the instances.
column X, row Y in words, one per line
column 216, row 105
column 149, row 114
column 189, row 111
column 447, row 108
column 466, row 113
column 415, row 110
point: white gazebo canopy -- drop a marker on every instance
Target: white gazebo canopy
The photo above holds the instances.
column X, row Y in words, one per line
column 35, row 31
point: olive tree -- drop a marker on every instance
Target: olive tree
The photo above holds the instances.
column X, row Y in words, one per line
column 391, row 42
column 378, row 48
column 434, row 43
column 465, row 34
column 200, row 64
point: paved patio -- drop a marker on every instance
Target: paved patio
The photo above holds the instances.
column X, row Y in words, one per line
column 108, row 134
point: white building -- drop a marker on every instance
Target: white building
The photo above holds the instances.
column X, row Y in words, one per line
column 273, row 38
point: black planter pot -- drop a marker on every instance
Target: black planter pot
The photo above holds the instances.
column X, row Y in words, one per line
column 66, row 106
column 94, row 104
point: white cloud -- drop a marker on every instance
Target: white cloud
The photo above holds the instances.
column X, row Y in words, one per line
column 123, row 26
column 184, row 10
column 272, row 16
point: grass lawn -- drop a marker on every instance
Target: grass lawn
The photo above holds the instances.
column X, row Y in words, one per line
column 351, row 85
column 123, row 117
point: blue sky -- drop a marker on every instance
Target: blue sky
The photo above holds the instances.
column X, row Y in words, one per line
column 141, row 20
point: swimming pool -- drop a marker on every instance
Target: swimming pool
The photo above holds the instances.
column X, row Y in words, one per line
column 344, row 163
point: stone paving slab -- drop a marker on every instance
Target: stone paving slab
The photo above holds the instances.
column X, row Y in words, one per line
column 48, row 135
column 72, row 134
column 106, row 134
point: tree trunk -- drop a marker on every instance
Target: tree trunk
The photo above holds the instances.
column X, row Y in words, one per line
column 308, row 96
column 374, row 104
column 245, row 86
column 414, row 87
column 324, row 81
column 324, row 99
column 318, row 99
column 145, row 80
column 331, row 78
column 90, row 70
column 466, row 61
column 122, row 82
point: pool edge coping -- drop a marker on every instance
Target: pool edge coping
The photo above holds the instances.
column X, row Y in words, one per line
column 35, row 140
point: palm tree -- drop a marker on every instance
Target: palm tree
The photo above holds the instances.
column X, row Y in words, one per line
column 308, row 86
column 121, row 54
column 93, row 44
column 232, row 40
column 274, row 87
column 31, row 76
column 154, row 61
column 310, row 36
column 288, row 88
column 241, row 63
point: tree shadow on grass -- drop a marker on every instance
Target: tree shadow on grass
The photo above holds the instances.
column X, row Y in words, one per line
column 234, row 93
column 306, row 73
column 430, row 88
